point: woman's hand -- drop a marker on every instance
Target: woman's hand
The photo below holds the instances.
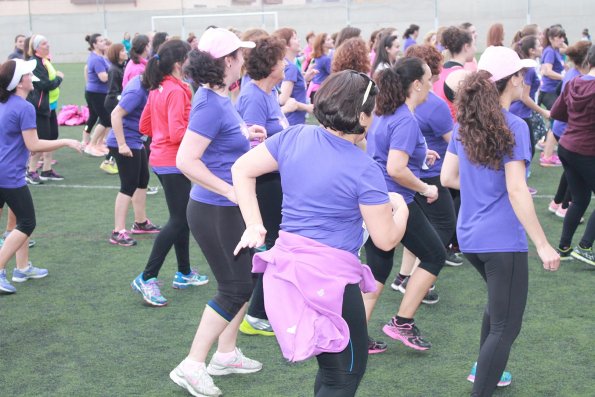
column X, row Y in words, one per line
column 431, row 193
column 431, row 157
column 124, row 150
column 545, row 113
column 549, row 257
column 396, row 200
column 257, row 133
column 74, row 144
column 310, row 73
column 253, row 237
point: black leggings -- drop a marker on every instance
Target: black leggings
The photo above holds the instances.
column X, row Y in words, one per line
column 133, row 171
column 339, row 374
column 270, row 198
column 547, row 99
column 420, row 238
column 563, row 193
column 19, row 200
column 507, row 278
column 580, row 174
column 217, row 230
column 95, row 101
column 441, row 213
column 47, row 126
column 175, row 232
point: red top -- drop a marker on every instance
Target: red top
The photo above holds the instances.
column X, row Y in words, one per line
column 165, row 119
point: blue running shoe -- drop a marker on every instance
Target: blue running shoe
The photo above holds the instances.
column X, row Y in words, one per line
column 5, row 285
column 149, row 290
column 20, row 276
column 182, row 281
column 505, row 379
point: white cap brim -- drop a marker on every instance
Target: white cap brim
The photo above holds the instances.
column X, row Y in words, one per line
column 22, row 68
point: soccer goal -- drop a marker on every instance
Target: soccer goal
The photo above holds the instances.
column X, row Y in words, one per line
column 238, row 20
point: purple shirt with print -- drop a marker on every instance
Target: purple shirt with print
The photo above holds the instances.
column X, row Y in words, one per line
column 214, row 117
column 434, row 119
column 261, row 108
column 398, row 131
column 518, row 108
column 96, row 64
column 294, row 74
column 554, row 58
column 487, row 222
column 16, row 116
column 324, row 180
column 133, row 102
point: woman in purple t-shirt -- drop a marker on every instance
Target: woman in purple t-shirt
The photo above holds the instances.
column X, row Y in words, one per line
column 486, row 160
column 96, row 88
column 330, row 186
column 323, row 43
column 19, row 137
column 395, row 141
column 215, row 138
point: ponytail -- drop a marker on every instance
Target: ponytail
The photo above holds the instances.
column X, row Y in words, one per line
column 483, row 131
column 394, row 83
column 524, row 45
column 162, row 64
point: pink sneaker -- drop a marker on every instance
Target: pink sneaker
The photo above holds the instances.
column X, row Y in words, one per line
column 561, row 212
column 552, row 161
column 553, row 207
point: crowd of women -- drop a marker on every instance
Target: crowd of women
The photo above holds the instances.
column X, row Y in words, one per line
column 428, row 147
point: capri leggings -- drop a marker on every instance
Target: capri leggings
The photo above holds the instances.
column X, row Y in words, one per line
column 339, row 374
column 420, row 238
column 507, row 278
column 95, row 101
column 133, row 171
column 441, row 213
column 217, row 230
column 270, row 198
column 19, row 200
column 175, row 232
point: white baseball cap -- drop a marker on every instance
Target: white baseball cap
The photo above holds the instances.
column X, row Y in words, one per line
column 220, row 42
column 501, row 62
column 22, row 68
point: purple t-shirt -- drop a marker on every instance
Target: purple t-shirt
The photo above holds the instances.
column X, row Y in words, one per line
column 487, row 222
column 554, row 58
column 133, row 101
column 434, row 119
column 518, row 108
column 558, row 127
column 324, row 179
column 294, row 74
column 261, row 108
column 323, row 65
column 215, row 118
column 409, row 41
column 96, row 64
column 16, row 116
column 398, row 131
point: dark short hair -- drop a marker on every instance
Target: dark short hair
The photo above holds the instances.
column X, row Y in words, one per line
column 263, row 58
column 454, row 38
column 203, row 68
column 338, row 101
column 18, row 36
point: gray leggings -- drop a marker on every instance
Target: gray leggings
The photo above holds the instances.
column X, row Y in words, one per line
column 507, row 278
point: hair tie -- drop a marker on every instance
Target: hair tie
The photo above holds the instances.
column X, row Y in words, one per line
column 156, row 56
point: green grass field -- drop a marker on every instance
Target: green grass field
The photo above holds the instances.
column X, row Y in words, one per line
column 83, row 332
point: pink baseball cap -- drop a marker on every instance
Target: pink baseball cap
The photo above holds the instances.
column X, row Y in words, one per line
column 502, row 62
column 221, row 42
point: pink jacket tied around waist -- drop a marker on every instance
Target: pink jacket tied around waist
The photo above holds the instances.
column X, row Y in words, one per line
column 304, row 282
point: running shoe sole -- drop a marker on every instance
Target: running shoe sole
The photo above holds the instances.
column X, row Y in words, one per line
column 581, row 258
column 228, row 370
column 136, row 231
column 471, row 378
column 23, row 279
column 250, row 330
column 178, row 285
column 114, row 242
column 178, row 380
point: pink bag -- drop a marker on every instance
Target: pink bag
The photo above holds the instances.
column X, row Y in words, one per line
column 71, row 115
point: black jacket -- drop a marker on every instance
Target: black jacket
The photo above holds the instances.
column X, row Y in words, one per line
column 39, row 97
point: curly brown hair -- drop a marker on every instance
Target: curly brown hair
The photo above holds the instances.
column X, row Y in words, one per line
column 429, row 54
column 353, row 54
column 263, row 58
column 482, row 127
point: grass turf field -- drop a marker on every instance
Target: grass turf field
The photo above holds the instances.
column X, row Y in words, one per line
column 83, row 332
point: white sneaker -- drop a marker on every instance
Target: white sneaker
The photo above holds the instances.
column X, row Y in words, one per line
column 240, row 364
column 198, row 383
